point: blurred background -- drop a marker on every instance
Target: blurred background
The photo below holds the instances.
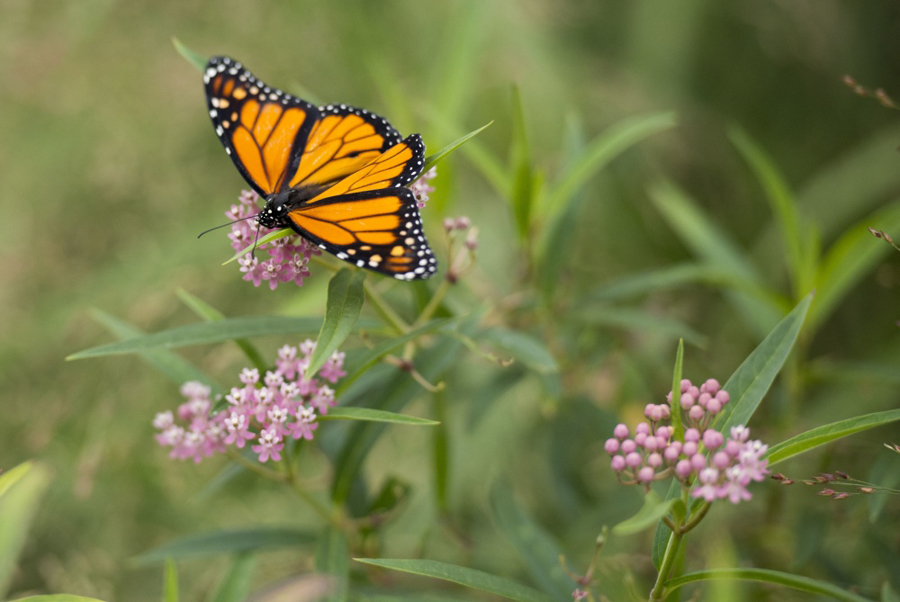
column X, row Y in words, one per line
column 110, row 168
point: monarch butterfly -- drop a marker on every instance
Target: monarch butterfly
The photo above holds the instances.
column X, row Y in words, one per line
column 335, row 174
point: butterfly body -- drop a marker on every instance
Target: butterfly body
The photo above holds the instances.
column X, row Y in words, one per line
column 335, row 174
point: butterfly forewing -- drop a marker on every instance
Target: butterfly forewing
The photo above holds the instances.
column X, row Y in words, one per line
column 261, row 128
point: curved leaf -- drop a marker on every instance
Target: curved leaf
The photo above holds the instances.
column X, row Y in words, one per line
column 170, row 364
column 653, row 510
column 211, row 332
column 345, row 301
column 828, row 433
column 804, row 584
column 608, row 145
column 194, row 58
column 21, row 490
column 751, row 381
column 432, row 160
column 523, row 347
column 57, row 598
column 467, row 577
column 333, row 559
column 356, row 366
column 235, row 587
column 370, row 415
column 536, row 547
column 227, row 542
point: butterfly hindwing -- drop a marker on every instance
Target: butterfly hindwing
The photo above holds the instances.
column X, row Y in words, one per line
column 376, row 229
column 370, row 219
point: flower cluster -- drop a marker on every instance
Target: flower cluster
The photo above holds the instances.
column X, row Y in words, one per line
column 716, row 468
column 288, row 257
column 421, row 188
column 282, row 403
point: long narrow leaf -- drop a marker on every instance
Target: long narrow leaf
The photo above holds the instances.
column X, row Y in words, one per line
column 170, row 582
column 399, row 391
column 467, row 577
column 614, row 141
column 333, row 559
column 358, row 365
column 21, row 490
column 784, row 207
column 751, row 381
column 827, row 433
column 235, row 587
column 370, row 415
column 227, row 542
column 709, row 242
column 536, row 547
column 211, row 332
column 804, row 584
column 194, row 58
column 170, row 364
column 57, row 598
column 638, row 320
column 345, row 302
column 855, row 254
column 211, row 314
column 432, row 160
column 653, row 510
column 523, row 347
column 523, row 193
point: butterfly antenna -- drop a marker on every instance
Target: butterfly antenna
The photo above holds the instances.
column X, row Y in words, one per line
column 228, row 224
column 253, row 252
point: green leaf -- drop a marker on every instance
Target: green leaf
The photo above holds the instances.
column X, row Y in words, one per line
column 197, row 60
column 432, row 160
column 209, row 332
column 523, row 193
column 751, row 381
column 21, row 490
column 608, row 145
column 169, row 364
column 674, row 276
column 523, row 347
column 235, row 587
column 804, row 584
column 709, row 242
column 849, row 259
column 57, row 598
column 536, row 547
column 888, row 594
column 676, row 391
column 653, row 510
column 827, row 433
column 211, row 314
column 227, row 542
column 265, row 239
column 784, row 207
column 170, row 582
column 636, row 320
column 333, row 559
column 396, row 394
column 357, row 366
column 440, row 445
column 663, row 534
column 467, row 577
column 345, row 302
column 370, row 415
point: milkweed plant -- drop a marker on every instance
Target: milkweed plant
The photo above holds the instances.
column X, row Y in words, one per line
column 381, row 344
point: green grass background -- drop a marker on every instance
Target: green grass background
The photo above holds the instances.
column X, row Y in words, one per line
column 109, row 168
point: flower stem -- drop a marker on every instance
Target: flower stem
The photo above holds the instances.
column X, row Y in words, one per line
column 658, row 591
column 385, row 310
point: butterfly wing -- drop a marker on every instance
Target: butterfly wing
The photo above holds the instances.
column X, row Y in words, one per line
column 370, row 219
column 263, row 129
column 278, row 141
